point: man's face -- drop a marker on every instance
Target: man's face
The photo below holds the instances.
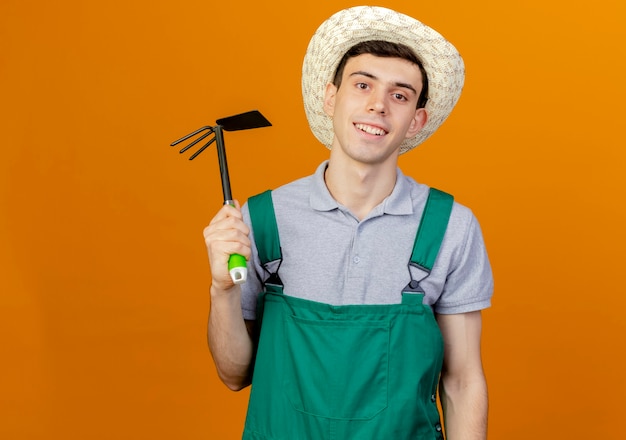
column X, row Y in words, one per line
column 374, row 110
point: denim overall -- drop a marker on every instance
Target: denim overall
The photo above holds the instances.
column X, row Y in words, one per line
column 366, row 372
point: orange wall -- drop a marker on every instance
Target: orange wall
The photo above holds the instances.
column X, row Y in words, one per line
column 104, row 282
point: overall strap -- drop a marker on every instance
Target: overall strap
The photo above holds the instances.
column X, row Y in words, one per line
column 430, row 233
column 263, row 219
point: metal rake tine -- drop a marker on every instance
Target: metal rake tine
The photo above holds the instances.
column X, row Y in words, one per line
column 204, row 147
column 184, row 138
column 195, row 142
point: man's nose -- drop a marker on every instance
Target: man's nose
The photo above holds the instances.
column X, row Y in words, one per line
column 377, row 103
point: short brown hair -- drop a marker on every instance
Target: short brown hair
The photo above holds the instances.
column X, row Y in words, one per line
column 385, row 49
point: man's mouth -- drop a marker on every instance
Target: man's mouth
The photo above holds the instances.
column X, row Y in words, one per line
column 376, row 131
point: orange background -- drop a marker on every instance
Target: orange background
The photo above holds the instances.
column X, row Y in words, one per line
column 104, row 278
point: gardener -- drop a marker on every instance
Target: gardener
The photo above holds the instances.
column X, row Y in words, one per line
column 365, row 286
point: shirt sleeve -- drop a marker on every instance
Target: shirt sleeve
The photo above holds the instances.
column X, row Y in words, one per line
column 469, row 282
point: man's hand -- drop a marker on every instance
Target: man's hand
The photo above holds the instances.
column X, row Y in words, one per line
column 226, row 234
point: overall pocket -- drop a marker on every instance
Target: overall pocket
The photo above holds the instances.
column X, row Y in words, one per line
column 337, row 369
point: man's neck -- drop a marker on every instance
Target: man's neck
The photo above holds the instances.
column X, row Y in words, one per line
column 360, row 187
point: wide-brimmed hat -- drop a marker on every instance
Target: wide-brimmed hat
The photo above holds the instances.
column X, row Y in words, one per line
column 442, row 62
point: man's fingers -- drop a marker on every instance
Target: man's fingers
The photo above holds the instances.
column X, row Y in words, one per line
column 228, row 241
column 225, row 235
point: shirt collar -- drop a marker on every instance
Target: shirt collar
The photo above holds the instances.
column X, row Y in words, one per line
column 397, row 203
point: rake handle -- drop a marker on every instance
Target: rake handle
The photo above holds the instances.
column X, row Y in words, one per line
column 236, row 263
column 237, row 267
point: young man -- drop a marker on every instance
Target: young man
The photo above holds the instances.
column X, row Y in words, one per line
column 369, row 285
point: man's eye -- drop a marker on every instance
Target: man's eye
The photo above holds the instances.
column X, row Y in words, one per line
column 399, row 96
column 362, row 86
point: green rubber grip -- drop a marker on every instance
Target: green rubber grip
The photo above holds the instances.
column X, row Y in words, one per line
column 237, row 268
column 235, row 261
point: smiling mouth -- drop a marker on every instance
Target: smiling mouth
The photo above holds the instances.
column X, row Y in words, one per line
column 376, row 131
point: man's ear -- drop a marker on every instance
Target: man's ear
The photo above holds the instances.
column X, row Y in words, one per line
column 417, row 123
column 329, row 99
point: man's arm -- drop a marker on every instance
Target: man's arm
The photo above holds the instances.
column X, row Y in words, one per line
column 229, row 337
column 463, row 388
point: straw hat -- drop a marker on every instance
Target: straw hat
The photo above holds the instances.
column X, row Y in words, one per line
column 443, row 64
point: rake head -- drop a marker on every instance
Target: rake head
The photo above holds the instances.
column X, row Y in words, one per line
column 243, row 121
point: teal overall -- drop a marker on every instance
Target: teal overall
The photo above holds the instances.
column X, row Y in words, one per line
column 366, row 372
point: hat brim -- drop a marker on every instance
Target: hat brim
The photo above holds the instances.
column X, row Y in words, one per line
column 443, row 64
